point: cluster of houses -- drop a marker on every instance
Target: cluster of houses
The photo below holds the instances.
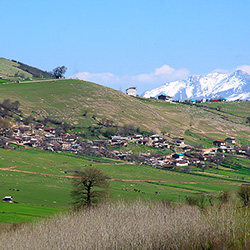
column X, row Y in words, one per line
column 44, row 137
column 175, row 160
column 230, row 146
column 180, row 159
column 172, row 161
column 156, row 141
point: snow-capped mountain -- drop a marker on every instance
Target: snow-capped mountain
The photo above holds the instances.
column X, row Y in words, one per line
column 231, row 86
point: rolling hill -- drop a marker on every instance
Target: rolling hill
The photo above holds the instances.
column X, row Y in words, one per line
column 83, row 104
column 12, row 68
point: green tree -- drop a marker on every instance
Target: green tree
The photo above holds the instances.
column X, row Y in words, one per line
column 89, row 187
column 59, row 71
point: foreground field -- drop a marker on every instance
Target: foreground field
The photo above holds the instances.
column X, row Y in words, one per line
column 42, row 178
column 16, row 213
column 137, row 225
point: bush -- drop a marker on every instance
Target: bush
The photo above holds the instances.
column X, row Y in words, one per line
column 244, row 194
column 224, row 196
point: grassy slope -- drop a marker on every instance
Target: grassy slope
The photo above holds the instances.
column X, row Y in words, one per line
column 9, row 69
column 69, row 99
column 194, row 122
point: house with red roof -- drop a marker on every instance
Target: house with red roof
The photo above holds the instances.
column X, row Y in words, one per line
column 220, row 144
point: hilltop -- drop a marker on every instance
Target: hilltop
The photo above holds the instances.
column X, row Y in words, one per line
column 14, row 69
column 83, row 104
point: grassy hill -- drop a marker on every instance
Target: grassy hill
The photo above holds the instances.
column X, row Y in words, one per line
column 84, row 104
column 10, row 69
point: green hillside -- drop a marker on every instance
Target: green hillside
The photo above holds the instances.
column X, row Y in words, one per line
column 10, row 69
column 83, row 104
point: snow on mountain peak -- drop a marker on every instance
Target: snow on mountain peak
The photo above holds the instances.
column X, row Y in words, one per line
column 231, row 86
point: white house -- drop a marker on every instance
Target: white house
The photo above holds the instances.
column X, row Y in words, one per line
column 230, row 140
column 131, row 91
column 155, row 137
column 181, row 163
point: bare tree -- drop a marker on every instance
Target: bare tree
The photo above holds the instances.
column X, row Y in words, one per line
column 89, row 186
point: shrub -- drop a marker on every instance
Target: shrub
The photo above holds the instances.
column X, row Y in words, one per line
column 244, row 194
column 224, row 196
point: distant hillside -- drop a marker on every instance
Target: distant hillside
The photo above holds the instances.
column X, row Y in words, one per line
column 9, row 69
column 84, row 104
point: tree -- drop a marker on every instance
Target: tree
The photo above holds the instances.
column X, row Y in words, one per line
column 59, row 71
column 89, row 186
column 219, row 158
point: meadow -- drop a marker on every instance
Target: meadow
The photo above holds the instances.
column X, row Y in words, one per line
column 38, row 178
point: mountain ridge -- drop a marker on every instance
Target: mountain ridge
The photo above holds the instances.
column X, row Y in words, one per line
column 231, row 86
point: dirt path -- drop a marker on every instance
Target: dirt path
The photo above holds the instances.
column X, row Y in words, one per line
column 47, row 80
column 12, row 169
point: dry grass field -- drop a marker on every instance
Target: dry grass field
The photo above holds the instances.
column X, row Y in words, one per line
column 137, row 225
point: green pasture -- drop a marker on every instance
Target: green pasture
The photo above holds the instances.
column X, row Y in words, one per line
column 3, row 81
column 45, row 162
column 45, row 185
column 17, row 213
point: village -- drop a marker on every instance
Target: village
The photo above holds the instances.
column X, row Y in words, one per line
column 175, row 153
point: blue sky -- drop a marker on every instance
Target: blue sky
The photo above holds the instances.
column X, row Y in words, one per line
column 128, row 43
